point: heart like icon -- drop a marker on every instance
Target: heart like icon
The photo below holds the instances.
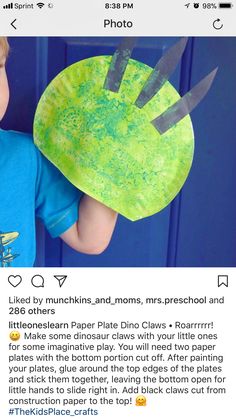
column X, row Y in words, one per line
column 14, row 280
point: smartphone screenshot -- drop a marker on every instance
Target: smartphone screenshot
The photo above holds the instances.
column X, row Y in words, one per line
column 118, row 203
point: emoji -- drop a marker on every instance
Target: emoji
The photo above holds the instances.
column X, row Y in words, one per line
column 15, row 335
column 141, row 401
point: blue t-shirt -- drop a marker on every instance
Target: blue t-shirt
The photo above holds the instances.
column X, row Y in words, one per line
column 30, row 185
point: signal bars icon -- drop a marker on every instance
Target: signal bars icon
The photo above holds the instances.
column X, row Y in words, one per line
column 8, row 6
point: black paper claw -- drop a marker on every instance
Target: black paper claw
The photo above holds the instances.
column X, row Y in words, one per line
column 161, row 73
column 118, row 64
column 184, row 105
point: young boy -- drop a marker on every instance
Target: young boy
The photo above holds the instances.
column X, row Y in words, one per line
column 30, row 185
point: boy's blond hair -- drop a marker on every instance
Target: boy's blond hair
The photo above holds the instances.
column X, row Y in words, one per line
column 4, row 46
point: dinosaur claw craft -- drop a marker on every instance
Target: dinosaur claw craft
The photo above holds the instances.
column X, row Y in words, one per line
column 119, row 131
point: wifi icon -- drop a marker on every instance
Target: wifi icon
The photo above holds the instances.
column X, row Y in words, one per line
column 40, row 5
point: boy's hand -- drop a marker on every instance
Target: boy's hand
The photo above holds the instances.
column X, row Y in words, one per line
column 92, row 233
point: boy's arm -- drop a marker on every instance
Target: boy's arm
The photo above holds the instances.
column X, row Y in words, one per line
column 56, row 204
column 92, row 233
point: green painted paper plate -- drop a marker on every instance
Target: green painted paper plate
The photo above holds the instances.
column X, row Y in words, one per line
column 108, row 147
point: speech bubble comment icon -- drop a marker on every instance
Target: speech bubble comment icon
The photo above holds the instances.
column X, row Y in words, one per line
column 14, row 280
column 37, row 281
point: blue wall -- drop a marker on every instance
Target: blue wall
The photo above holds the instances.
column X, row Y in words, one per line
column 199, row 227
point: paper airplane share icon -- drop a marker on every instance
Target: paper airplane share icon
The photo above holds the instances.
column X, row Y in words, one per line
column 61, row 279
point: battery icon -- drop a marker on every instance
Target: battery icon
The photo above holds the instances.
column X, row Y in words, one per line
column 225, row 5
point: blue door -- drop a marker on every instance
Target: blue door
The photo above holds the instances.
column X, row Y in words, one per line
column 199, row 227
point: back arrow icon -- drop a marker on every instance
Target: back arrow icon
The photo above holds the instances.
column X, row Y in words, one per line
column 12, row 24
